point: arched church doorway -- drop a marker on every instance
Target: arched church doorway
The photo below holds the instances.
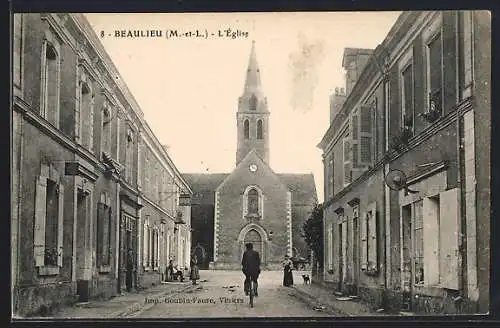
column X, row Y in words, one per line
column 254, row 237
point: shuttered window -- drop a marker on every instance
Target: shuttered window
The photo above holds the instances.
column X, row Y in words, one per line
column 366, row 133
column 434, row 69
column 371, row 236
column 354, row 139
column 431, row 249
column 48, row 229
column 104, row 231
column 407, row 95
column 364, row 241
column 330, row 177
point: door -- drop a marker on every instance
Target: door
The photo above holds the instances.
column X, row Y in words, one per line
column 355, row 257
column 254, row 237
column 128, row 253
column 406, row 258
column 341, row 257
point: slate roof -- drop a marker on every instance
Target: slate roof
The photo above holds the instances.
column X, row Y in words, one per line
column 302, row 185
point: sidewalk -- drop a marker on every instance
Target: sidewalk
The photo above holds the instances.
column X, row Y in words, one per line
column 121, row 305
column 324, row 300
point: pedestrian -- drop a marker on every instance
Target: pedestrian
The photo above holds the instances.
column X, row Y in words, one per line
column 287, row 272
column 170, row 270
column 195, row 271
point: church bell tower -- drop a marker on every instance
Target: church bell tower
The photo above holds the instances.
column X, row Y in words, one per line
column 252, row 116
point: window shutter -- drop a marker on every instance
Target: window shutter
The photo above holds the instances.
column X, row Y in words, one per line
column 372, row 237
column 107, row 250
column 40, row 213
column 354, row 141
column 78, row 106
column 344, row 247
column 145, row 240
column 365, row 134
column 364, row 241
column 60, row 226
column 449, row 236
column 347, row 161
column 157, row 248
column 100, row 232
column 330, row 247
column 431, row 241
column 91, row 123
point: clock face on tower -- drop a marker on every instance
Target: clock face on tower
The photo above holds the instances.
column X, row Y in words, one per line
column 253, row 167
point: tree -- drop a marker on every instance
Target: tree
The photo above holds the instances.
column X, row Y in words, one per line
column 312, row 232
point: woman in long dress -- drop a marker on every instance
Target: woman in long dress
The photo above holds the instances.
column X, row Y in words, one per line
column 287, row 272
column 195, row 271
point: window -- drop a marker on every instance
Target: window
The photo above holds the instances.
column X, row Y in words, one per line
column 129, row 151
column 466, row 53
column 104, row 231
column 106, row 129
column 253, row 202
column 85, row 113
column 407, row 111
column 347, row 161
column 434, row 70
column 435, row 239
column 253, row 102
column 49, row 104
column 246, row 128
column 17, row 49
column 259, row 129
column 330, row 177
column 146, row 238
column 48, row 230
column 368, row 230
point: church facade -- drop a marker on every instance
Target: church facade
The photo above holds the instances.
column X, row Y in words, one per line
column 252, row 203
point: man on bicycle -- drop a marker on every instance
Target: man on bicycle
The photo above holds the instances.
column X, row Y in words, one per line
column 250, row 267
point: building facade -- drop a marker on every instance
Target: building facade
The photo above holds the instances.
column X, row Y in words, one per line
column 418, row 106
column 252, row 203
column 85, row 221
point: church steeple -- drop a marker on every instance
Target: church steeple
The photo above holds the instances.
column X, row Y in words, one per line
column 252, row 116
column 252, row 81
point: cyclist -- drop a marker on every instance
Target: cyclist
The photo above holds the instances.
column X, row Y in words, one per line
column 251, row 268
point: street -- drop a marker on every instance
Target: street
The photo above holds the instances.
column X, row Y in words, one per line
column 221, row 295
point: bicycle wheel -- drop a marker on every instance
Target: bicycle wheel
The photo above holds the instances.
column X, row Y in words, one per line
column 251, row 293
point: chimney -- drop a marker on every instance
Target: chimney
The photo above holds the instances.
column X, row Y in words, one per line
column 336, row 102
column 354, row 62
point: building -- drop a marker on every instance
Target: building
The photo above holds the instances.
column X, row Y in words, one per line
column 252, row 203
column 418, row 106
column 86, row 220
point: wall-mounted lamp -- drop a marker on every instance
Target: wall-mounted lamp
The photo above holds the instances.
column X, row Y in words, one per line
column 270, row 235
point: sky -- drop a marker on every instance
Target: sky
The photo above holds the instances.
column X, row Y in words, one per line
column 188, row 88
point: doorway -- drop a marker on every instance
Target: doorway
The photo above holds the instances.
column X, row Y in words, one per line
column 128, row 253
column 82, row 228
column 255, row 238
column 341, row 257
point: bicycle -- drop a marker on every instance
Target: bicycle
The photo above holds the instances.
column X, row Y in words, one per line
column 251, row 293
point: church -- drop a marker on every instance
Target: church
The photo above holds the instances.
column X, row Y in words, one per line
column 252, row 203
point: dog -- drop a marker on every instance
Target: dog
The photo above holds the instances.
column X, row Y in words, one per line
column 306, row 278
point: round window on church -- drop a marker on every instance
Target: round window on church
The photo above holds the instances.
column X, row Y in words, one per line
column 253, row 167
